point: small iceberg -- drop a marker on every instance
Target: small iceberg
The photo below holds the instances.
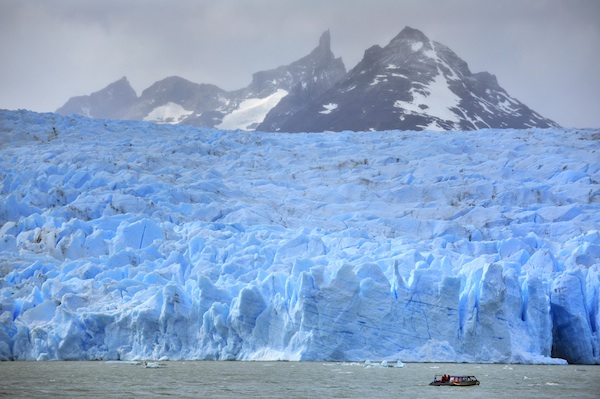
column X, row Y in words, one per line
column 154, row 365
column 383, row 364
column 123, row 362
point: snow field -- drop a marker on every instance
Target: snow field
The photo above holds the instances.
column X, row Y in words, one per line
column 251, row 112
column 128, row 240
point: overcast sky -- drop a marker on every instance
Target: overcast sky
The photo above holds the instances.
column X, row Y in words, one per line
column 546, row 53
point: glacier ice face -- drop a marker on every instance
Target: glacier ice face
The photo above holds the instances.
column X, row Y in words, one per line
column 127, row 240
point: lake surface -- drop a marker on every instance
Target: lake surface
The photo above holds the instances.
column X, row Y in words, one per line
column 290, row 380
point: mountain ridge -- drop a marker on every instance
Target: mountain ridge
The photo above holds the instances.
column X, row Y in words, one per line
column 412, row 83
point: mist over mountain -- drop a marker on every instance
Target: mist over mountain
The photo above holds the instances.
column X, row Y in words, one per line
column 412, row 83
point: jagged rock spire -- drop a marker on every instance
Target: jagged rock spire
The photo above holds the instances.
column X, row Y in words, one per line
column 325, row 41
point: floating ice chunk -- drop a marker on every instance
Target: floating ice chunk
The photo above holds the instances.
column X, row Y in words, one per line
column 154, row 365
column 123, row 362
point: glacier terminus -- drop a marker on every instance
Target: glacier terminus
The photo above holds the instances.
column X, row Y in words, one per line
column 127, row 240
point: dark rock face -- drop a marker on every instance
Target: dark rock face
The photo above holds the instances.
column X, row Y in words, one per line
column 176, row 100
column 300, row 82
column 412, row 83
column 317, row 73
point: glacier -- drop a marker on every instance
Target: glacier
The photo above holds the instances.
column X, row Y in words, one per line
column 127, row 240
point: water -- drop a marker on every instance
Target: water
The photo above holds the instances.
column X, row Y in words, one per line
column 289, row 380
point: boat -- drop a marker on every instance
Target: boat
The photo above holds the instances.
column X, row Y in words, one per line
column 454, row 380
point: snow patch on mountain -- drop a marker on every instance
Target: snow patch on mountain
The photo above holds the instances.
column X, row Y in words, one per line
column 251, row 112
column 416, row 46
column 433, row 99
column 168, row 113
column 378, row 79
column 328, row 108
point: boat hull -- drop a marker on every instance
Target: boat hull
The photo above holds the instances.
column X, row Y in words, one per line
column 454, row 381
column 454, row 384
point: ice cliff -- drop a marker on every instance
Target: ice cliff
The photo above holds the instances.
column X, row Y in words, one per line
column 128, row 240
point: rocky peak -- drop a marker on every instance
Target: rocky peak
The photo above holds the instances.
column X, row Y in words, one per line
column 286, row 77
column 409, row 35
column 409, row 46
column 106, row 103
column 321, row 54
column 119, row 91
column 413, row 83
column 325, row 43
column 175, row 91
column 175, row 88
column 307, row 79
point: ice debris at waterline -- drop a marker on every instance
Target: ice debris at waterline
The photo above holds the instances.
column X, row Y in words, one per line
column 125, row 240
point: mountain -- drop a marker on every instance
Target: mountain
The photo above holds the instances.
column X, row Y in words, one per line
column 413, row 83
column 313, row 73
column 109, row 102
column 320, row 70
column 177, row 100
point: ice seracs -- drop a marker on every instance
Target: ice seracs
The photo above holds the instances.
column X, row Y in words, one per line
column 127, row 240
